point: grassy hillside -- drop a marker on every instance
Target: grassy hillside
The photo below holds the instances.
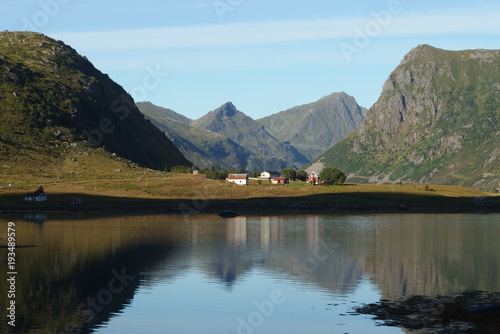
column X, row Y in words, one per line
column 54, row 102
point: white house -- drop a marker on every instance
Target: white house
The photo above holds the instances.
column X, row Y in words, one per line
column 37, row 197
column 241, row 179
column 269, row 175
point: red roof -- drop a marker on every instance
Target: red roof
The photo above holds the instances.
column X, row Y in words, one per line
column 237, row 176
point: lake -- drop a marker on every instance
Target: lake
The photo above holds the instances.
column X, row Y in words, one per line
column 248, row 274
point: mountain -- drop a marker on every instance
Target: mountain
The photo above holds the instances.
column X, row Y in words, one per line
column 437, row 120
column 204, row 148
column 245, row 131
column 51, row 97
column 313, row 128
column 225, row 138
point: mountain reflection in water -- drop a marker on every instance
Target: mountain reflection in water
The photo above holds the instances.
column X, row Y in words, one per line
column 93, row 274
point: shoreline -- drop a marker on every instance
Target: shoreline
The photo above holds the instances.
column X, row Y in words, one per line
column 252, row 208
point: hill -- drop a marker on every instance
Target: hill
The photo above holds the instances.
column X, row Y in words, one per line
column 313, row 128
column 437, row 120
column 54, row 104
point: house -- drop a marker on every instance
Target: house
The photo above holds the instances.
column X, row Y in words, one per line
column 313, row 178
column 37, row 197
column 269, row 175
column 280, row 180
column 241, row 179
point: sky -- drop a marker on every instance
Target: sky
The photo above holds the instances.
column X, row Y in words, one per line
column 265, row 56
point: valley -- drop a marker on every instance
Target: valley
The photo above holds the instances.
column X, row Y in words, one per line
column 436, row 122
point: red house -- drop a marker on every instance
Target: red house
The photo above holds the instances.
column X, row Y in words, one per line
column 313, row 178
column 280, row 180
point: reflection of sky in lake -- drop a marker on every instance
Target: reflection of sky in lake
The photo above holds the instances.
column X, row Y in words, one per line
column 191, row 303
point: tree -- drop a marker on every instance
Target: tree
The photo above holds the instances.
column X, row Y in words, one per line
column 289, row 173
column 332, row 175
column 302, row 175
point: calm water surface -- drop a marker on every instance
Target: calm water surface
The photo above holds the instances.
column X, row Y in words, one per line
column 206, row 274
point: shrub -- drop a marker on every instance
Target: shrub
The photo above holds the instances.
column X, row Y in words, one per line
column 289, row 173
column 332, row 175
column 302, row 175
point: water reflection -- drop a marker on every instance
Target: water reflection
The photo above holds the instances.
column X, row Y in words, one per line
column 83, row 273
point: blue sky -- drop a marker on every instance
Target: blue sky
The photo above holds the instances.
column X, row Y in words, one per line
column 264, row 56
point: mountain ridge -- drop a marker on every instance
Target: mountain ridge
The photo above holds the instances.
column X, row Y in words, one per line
column 255, row 147
column 226, row 138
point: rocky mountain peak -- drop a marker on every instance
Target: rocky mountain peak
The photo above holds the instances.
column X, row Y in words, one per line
column 420, row 51
column 227, row 109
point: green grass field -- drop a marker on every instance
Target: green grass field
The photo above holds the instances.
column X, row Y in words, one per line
column 142, row 189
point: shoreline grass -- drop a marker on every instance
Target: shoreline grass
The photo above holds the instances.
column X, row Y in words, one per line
column 153, row 190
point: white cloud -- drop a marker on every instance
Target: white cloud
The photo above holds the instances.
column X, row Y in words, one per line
column 241, row 34
column 209, row 35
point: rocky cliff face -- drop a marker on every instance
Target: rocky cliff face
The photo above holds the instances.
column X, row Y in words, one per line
column 437, row 120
